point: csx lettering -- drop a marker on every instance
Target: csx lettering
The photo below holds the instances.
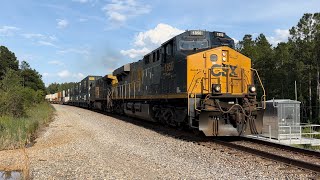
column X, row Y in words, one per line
column 222, row 70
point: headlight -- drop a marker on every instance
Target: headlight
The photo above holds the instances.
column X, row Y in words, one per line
column 217, row 88
column 224, row 53
column 252, row 89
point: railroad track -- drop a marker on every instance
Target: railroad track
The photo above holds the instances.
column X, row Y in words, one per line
column 296, row 157
column 291, row 156
column 301, row 158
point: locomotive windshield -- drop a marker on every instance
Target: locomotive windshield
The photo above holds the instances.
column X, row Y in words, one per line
column 192, row 44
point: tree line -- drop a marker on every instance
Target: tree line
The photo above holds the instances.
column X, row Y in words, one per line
column 296, row 61
column 21, row 87
column 57, row 87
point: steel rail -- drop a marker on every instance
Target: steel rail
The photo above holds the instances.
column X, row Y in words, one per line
column 267, row 155
column 283, row 146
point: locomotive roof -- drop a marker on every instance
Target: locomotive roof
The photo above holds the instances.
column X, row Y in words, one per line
column 188, row 32
column 196, row 33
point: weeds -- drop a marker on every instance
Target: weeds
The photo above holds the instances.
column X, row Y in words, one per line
column 17, row 132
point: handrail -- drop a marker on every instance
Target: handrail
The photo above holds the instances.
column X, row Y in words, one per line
column 189, row 88
column 194, row 79
column 264, row 92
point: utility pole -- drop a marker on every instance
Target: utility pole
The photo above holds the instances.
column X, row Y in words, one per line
column 310, row 94
column 295, row 90
column 318, row 91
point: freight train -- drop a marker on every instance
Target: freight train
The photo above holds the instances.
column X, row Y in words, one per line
column 196, row 80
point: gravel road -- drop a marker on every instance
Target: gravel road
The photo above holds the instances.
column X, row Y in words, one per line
column 82, row 144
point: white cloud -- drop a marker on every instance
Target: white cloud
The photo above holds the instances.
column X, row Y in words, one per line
column 41, row 39
column 81, row 1
column 26, row 57
column 133, row 53
column 156, row 36
column 68, row 74
column 46, row 43
column 78, row 75
column 83, row 51
column 83, row 19
column 64, row 74
column 146, row 41
column 236, row 41
column 45, row 74
column 8, row 30
column 59, row 63
column 119, row 11
column 93, row 2
column 280, row 35
column 32, row 36
column 62, row 23
column 38, row 36
column 53, row 38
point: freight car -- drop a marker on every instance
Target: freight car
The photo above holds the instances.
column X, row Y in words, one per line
column 80, row 94
column 195, row 79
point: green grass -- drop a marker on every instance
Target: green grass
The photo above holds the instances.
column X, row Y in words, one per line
column 307, row 146
column 308, row 130
column 17, row 132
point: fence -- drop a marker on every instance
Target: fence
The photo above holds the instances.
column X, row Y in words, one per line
column 300, row 134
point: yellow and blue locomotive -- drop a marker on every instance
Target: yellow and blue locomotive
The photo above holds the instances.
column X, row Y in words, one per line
column 195, row 79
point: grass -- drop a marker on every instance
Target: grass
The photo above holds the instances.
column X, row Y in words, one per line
column 308, row 130
column 17, row 132
column 307, row 146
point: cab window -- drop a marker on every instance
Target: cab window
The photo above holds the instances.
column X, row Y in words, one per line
column 169, row 49
column 193, row 45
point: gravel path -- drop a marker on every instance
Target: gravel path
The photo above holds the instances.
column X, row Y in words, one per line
column 81, row 144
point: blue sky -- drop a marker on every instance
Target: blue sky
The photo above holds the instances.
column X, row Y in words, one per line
column 65, row 40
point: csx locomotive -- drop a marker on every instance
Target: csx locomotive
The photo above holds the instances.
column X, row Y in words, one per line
column 195, row 79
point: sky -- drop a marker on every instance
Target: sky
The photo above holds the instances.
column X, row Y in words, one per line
column 66, row 40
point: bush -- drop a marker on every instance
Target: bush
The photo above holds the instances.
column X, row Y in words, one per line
column 29, row 96
column 11, row 90
column 40, row 94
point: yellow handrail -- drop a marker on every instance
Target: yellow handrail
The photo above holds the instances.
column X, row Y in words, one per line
column 194, row 78
column 264, row 92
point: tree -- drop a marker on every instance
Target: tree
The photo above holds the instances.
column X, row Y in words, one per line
column 261, row 53
column 284, row 72
column 266, row 65
column 53, row 88
column 19, row 88
column 8, row 60
column 247, row 46
column 304, row 50
column 31, row 78
column 56, row 87
column 11, row 102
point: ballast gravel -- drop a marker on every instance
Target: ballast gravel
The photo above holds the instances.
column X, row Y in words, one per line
column 82, row 144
